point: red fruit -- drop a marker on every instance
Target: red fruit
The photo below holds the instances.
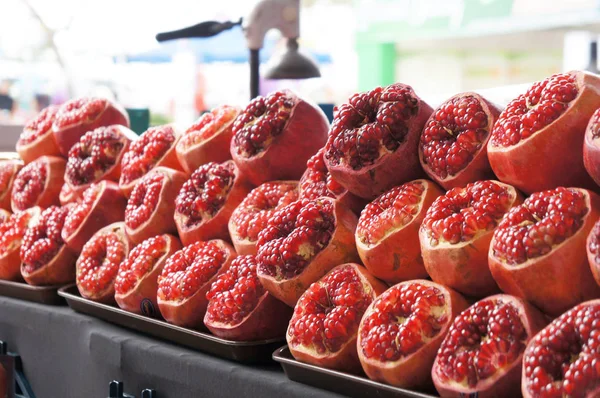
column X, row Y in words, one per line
column 591, row 147
column 372, row 144
column 482, row 354
column 453, row 145
column 302, row 242
column 4, row 216
column 102, row 204
column 11, row 237
column 187, row 277
column 275, row 136
column 154, row 148
column 38, row 184
column 136, row 283
column 593, row 251
column 37, row 139
column 401, row 331
column 251, row 216
column 324, row 326
column 68, row 195
column 538, row 250
column 46, row 260
column 208, row 139
column 8, row 172
column 207, row 200
column 98, row 263
column 150, row 208
column 456, row 233
column 535, row 131
column 240, row 309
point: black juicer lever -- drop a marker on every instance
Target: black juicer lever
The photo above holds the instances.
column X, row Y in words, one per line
column 203, row 29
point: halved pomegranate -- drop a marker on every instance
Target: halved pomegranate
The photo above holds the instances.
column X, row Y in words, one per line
column 98, row 263
column 136, row 283
column 46, row 260
column 401, row 331
column 102, row 204
column 538, row 250
column 207, row 200
column 8, row 173
column 591, row 147
column 239, row 308
column 387, row 235
column 372, row 144
column 275, row 136
column 302, row 242
column 208, row 139
column 11, row 238
column 187, row 277
column 38, row 183
column 324, row 326
column 251, row 216
column 150, row 207
column 155, row 147
column 535, row 131
column 593, row 251
column 78, row 116
column 4, row 216
column 68, row 195
column 482, row 354
column 453, row 145
column 456, row 233
column 37, row 139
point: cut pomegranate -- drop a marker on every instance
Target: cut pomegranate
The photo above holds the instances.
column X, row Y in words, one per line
column 187, row 277
column 98, row 263
column 372, row 144
column 593, row 251
column 4, row 216
column 11, row 238
column 324, row 326
column 102, row 204
column 68, row 195
column 78, row 116
column 155, row 147
column 240, row 309
column 538, row 250
column 136, row 284
column 8, row 172
column 453, row 145
column 401, row 331
column 251, row 216
column 46, row 260
column 208, row 139
column 535, row 131
column 482, row 353
column 387, row 236
column 275, row 136
column 591, row 147
column 207, row 200
column 302, row 242
column 37, row 139
column 38, row 183
column 151, row 206
column 456, row 233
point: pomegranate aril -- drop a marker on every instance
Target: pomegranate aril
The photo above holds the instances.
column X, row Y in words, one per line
column 99, row 261
column 209, row 124
column 42, row 241
column 140, row 261
column 77, row 110
column 80, row 211
column 12, row 231
column 29, row 185
column 317, row 181
column 38, row 126
column 144, row 199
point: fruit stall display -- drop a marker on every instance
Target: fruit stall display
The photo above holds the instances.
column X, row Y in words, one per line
column 454, row 248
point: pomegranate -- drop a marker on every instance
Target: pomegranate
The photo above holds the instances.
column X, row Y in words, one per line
column 38, row 183
column 102, row 204
column 68, row 195
column 4, row 216
column 37, row 139
column 208, row 139
column 453, row 145
column 482, row 353
column 387, row 235
column 372, row 144
column 562, row 359
column 46, row 260
column 538, row 249
column 593, row 251
column 302, row 242
column 207, row 200
column 402, row 330
column 155, row 147
column 251, row 216
column 591, row 147
column 8, row 172
column 456, row 233
column 187, row 277
column 275, row 136
column 11, row 238
column 324, row 326
column 239, row 308
column 532, row 135
column 136, row 283
column 98, row 263
column 150, row 208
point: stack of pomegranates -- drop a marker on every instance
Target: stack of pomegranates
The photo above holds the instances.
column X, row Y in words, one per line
column 455, row 248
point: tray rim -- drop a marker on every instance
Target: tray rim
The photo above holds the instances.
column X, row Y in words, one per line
column 27, row 286
column 22, row 290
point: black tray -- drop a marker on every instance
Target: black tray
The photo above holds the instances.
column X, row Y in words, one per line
column 240, row 351
column 338, row 382
column 37, row 294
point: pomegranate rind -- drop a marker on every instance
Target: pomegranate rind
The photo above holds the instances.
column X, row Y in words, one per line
column 55, row 171
column 10, row 262
column 591, row 256
column 68, row 195
column 591, row 149
column 59, row 271
column 44, row 145
column 5, row 197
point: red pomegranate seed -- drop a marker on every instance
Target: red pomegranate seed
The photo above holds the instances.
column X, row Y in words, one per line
column 29, row 184
column 7, row 171
column 79, row 211
column 39, row 125
column 12, row 231
column 141, row 261
column 99, row 261
column 143, row 199
column 595, row 127
column 594, row 244
column 317, row 181
column 79, row 109
column 42, row 241
column 209, row 124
